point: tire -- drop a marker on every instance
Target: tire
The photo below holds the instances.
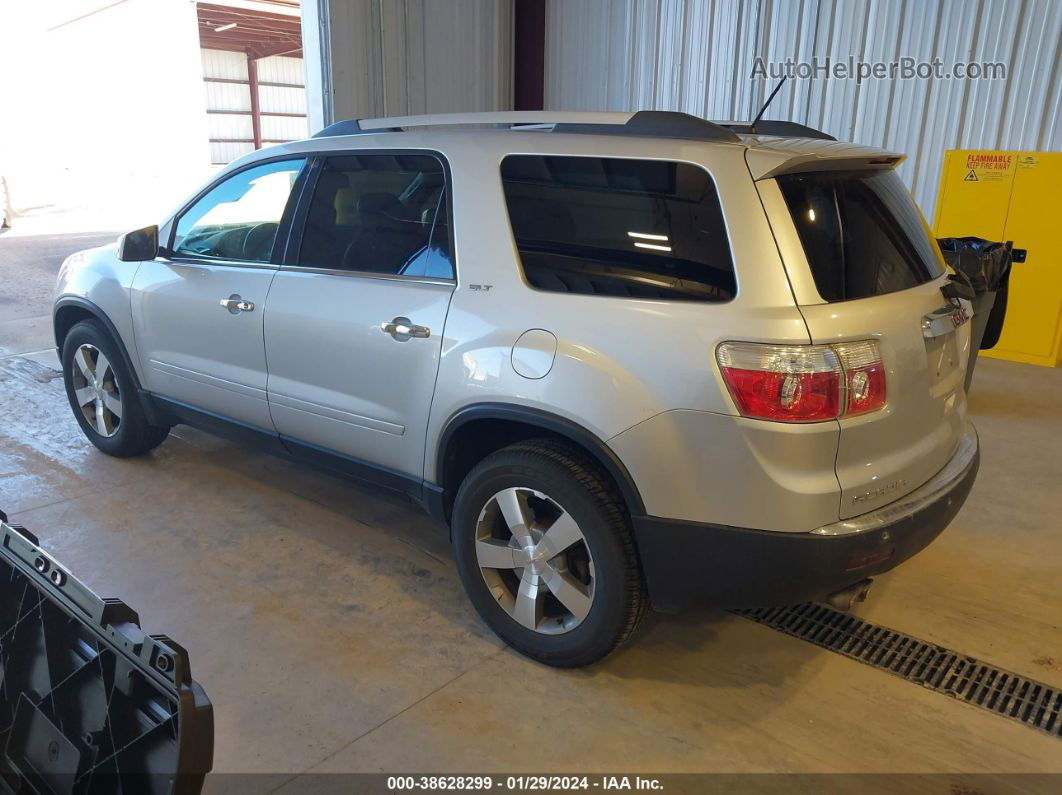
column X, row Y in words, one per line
column 118, row 425
column 582, row 602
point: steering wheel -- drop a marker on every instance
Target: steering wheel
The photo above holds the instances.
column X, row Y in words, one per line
column 258, row 243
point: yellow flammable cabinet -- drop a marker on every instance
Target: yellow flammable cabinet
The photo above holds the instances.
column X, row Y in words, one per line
column 1013, row 196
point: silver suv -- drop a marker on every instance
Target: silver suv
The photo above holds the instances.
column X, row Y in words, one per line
column 626, row 358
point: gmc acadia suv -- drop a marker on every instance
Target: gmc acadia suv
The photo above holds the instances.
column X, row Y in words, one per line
column 626, row 358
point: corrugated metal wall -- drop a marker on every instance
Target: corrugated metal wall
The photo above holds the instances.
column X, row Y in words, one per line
column 396, row 57
column 228, row 105
column 697, row 56
column 281, row 102
column 288, row 99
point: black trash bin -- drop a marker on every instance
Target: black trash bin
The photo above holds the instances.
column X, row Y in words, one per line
column 987, row 265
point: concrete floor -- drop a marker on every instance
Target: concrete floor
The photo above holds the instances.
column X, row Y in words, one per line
column 328, row 626
column 28, row 264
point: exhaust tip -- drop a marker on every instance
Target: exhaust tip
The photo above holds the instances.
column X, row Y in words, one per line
column 846, row 597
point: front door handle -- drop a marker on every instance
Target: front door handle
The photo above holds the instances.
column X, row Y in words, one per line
column 402, row 329
column 235, row 304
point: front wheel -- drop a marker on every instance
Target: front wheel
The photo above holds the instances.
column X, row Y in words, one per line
column 103, row 395
column 544, row 549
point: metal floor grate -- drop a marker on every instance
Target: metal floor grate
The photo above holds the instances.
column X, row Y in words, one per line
column 1002, row 692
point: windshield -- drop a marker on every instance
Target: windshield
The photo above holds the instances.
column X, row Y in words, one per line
column 861, row 231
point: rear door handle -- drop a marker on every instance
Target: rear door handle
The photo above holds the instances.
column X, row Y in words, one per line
column 402, row 329
column 235, row 304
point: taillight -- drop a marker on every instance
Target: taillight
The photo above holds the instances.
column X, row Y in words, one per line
column 864, row 376
column 791, row 383
column 803, row 383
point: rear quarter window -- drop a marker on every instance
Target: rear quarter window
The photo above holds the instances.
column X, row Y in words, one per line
column 618, row 227
column 862, row 233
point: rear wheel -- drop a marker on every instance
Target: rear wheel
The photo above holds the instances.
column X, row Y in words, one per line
column 544, row 549
column 102, row 393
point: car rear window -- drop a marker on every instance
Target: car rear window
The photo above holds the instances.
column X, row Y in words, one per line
column 618, row 227
column 862, row 233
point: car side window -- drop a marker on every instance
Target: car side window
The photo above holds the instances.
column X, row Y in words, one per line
column 619, row 227
column 380, row 213
column 238, row 219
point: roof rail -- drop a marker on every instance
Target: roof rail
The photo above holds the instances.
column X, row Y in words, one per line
column 787, row 129
column 655, row 123
column 658, row 124
column 347, row 127
column 510, row 117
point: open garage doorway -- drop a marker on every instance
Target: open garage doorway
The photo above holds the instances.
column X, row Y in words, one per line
column 118, row 109
column 252, row 74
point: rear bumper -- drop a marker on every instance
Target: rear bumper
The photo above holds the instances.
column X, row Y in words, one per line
column 690, row 563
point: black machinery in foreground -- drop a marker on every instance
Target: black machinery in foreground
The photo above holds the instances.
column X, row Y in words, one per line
column 89, row 704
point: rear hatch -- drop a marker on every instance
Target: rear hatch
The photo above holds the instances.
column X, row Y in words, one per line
column 863, row 265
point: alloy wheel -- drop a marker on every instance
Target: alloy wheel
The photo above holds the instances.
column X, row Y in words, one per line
column 96, row 390
column 535, row 560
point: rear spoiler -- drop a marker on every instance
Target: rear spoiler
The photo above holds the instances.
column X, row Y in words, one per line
column 771, row 159
column 788, row 129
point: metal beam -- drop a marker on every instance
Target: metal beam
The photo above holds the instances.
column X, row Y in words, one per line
column 317, row 49
column 529, row 54
column 269, row 83
column 260, row 113
column 256, row 116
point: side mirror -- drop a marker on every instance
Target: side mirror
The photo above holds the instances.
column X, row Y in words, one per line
column 140, row 245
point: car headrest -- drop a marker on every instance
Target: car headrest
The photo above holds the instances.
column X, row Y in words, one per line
column 322, row 207
column 384, row 204
column 346, row 206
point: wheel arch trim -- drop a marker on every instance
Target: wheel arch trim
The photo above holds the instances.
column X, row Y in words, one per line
column 100, row 315
column 547, row 421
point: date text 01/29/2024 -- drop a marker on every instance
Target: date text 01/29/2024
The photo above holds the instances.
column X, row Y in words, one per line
column 522, row 783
